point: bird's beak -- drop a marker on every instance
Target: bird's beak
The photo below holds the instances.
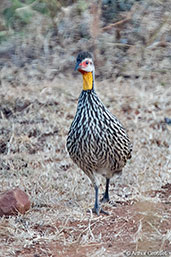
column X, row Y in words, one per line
column 77, row 66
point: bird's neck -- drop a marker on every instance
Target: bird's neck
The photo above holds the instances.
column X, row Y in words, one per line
column 88, row 80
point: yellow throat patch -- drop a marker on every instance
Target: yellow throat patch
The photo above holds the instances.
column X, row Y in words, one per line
column 87, row 80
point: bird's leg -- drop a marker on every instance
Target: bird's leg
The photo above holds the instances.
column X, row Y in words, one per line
column 97, row 209
column 106, row 193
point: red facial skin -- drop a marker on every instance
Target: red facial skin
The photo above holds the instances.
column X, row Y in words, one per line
column 82, row 65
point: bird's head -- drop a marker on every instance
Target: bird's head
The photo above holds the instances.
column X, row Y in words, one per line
column 85, row 65
column 84, row 62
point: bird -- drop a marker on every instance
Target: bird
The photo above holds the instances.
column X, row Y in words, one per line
column 97, row 141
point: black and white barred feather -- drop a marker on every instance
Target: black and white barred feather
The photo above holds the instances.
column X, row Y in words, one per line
column 97, row 141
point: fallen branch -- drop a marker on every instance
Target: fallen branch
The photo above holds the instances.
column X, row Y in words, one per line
column 116, row 24
column 125, row 20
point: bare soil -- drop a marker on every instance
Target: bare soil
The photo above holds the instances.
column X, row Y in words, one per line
column 38, row 100
column 33, row 157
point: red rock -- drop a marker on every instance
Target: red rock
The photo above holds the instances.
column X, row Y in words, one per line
column 14, row 201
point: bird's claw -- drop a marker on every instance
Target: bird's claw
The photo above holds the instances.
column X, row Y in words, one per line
column 98, row 210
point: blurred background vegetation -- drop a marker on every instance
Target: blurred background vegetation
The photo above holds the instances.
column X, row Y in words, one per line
column 53, row 32
column 131, row 44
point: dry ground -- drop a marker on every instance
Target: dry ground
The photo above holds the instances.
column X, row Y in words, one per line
column 38, row 100
column 34, row 123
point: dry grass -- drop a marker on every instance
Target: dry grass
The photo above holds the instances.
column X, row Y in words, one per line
column 34, row 121
column 35, row 159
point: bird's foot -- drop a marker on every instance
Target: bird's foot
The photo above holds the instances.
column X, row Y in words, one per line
column 98, row 210
column 107, row 200
column 113, row 203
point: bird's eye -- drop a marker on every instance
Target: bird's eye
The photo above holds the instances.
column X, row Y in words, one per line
column 87, row 62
